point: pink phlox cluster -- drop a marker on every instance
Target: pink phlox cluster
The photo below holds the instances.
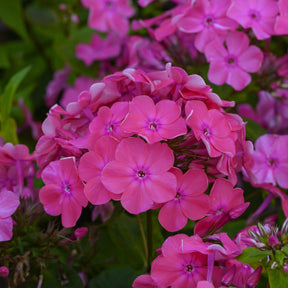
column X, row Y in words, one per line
column 9, row 202
column 16, row 167
column 270, row 163
column 225, row 203
column 63, row 193
column 271, row 111
column 260, row 16
column 99, row 49
column 109, row 15
column 235, row 62
column 91, row 166
column 189, row 202
column 281, row 24
column 142, row 176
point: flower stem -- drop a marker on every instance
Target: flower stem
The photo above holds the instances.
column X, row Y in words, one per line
column 149, row 240
column 143, row 237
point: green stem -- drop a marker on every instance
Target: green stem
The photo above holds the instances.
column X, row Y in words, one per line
column 149, row 240
column 140, row 225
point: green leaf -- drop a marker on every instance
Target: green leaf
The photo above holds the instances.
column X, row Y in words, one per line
column 278, row 278
column 122, row 277
column 9, row 92
column 9, row 131
column 253, row 256
column 254, row 130
column 11, row 15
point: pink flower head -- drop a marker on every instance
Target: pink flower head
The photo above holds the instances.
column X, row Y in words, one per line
column 270, row 163
column 144, row 281
column 209, row 20
column 90, row 168
column 258, row 15
column 4, row 271
column 183, row 263
column 108, row 15
column 9, row 202
column 140, row 172
column 211, row 127
column 234, row 62
column 189, row 202
column 226, row 203
column 154, row 122
column 63, row 192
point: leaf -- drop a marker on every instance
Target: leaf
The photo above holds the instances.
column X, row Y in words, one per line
column 253, row 256
column 9, row 131
column 254, row 130
column 11, row 14
column 278, row 278
column 9, row 92
column 121, row 277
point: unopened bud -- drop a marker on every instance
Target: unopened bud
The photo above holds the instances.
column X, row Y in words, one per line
column 4, row 271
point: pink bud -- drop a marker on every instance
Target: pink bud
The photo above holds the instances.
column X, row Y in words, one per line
column 4, row 271
column 273, row 240
column 80, row 232
column 285, row 267
column 254, row 278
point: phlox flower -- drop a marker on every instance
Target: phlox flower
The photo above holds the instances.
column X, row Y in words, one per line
column 270, row 163
column 183, row 263
column 281, row 25
column 255, row 14
column 108, row 15
column 63, row 192
column 90, row 168
column 211, row 127
column 208, row 19
column 189, row 201
column 144, row 281
column 154, row 122
column 225, row 203
column 231, row 65
column 9, row 202
column 140, row 173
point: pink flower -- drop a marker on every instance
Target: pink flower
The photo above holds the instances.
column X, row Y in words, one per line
column 144, row 281
column 225, row 204
column 258, row 15
column 9, row 202
column 4, row 271
column 211, row 127
column 63, row 192
column 281, row 25
column 108, row 15
column 140, row 172
column 154, row 122
column 208, row 19
column 270, row 163
column 189, row 202
column 90, row 168
column 234, row 61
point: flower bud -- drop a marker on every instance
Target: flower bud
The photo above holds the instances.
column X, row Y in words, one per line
column 4, row 271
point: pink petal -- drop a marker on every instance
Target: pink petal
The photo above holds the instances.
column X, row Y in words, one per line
column 213, row 74
column 6, row 227
column 237, row 43
column 95, row 192
column 168, row 111
column 195, row 207
column 135, row 199
column 251, row 59
column 173, row 130
column 71, row 212
column 51, row 197
column 171, row 216
column 195, row 182
column 238, row 78
column 9, row 202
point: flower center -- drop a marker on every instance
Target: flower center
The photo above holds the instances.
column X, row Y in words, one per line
column 231, row 60
column 141, row 174
column 67, row 188
column 206, row 132
column 189, row 268
column 110, row 128
column 178, row 195
column 153, row 125
column 208, row 21
column 254, row 15
column 272, row 162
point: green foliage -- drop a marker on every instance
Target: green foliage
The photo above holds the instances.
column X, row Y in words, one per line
column 278, row 278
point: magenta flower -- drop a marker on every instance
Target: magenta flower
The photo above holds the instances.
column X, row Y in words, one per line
column 63, row 192
column 9, row 202
column 255, row 14
column 225, row 204
column 211, row 127
column 108, row 15
column 270, row 163
column 234, row 62
column 281, row 25
column 189, row 201
column 90, row 168
column 154, row 122
column 140, row 172
column 208, row 19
